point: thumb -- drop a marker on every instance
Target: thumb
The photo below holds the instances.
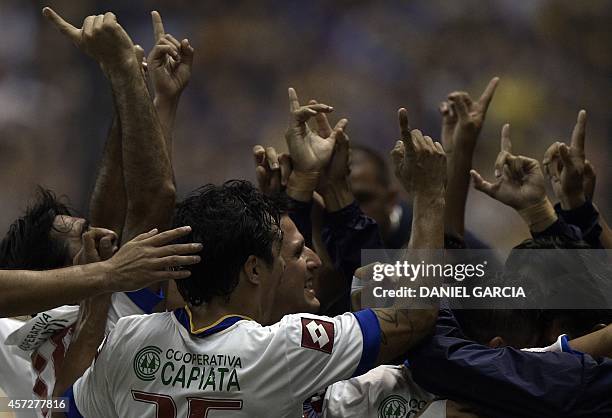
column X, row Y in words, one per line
column 63, row 26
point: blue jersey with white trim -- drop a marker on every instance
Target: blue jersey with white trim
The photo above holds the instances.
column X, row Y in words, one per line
column 159, row 365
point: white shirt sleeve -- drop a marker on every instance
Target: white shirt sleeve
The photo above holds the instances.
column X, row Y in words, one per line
column 321, row 350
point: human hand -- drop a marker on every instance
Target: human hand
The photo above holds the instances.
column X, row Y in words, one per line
column 147, row 258
column 100, row 37
column 169, row 62
column 272, row 170
column 469, row 116
column 519, row 180
column 566, row 167
column 337, row 170
column 97, row 245
column 419, row 162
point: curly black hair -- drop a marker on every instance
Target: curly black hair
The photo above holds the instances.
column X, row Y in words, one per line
column 232, row 221
column 28, row 244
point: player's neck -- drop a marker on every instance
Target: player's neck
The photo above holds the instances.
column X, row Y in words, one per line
column 207, row 314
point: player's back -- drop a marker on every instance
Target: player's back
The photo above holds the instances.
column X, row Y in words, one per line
column 158, row 365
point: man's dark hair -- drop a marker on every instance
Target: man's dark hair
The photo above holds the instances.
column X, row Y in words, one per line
column 28, row 243
column 382, row 168
column 558, row 276
column 568, row 274
column 232, row 221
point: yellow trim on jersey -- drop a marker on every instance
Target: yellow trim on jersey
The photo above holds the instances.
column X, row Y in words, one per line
column 217, row 322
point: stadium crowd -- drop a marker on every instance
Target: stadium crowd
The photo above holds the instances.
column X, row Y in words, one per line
column 246, row 299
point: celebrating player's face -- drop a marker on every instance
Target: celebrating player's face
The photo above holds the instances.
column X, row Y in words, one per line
column 69, row 229
column 295, row 291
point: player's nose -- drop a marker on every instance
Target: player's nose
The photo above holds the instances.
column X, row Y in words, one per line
column 313, row 261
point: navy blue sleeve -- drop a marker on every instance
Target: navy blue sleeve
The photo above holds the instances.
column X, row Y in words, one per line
column 507, row 382
column 345, row 233
column 586, row 218
column 562, row 230
column 299, row 212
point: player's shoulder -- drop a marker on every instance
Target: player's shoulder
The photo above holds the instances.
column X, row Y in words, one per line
column 151, row 323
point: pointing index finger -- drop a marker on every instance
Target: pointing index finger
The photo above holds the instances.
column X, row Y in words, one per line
column 63, row 26
column 487, row 95
column 294, row 103
column 158, row 25
column 578, row 134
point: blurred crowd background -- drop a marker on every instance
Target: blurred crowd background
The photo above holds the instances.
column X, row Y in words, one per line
column 364, row 58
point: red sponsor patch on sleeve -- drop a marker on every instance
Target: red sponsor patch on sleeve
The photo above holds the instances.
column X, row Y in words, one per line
column 318, row 335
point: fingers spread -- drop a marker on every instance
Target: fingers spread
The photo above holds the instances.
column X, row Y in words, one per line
column 168, row 236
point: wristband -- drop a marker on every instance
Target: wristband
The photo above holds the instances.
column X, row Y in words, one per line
column 539, row 216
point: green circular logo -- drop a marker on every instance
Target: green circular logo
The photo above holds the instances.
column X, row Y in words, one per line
column 147, row 362
column 393, row 406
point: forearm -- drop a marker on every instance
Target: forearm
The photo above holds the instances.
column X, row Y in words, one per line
column 25, row 292
column 337, row 196
column 166, row 111
column 597, row 344
column 107, row 205
column 459, row 166
column 86, row 339
column 147, row 170
column 427, row 222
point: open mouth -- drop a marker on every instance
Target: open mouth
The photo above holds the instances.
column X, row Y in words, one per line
column 309, row 284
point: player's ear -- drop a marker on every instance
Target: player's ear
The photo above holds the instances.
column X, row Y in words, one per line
column 252, row 270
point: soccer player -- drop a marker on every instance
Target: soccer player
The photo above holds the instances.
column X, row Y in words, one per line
column 215, row 355
column 134, row 191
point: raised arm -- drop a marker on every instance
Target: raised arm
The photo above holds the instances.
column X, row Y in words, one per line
column 420, row 165
column 519, row 184
column 573, row 181
column 147, row 170
column 169, row 76
column 462, row 122
column 137, row 264
column 108, row 202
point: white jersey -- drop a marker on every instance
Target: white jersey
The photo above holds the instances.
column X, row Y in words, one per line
column 15, row 375
column 40, row 344
column 386, row 391
column 159, row 366
column 390, row 391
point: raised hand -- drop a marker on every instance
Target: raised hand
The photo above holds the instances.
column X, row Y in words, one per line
column 470, row 115
column 169, row 62
column 449, row 123
column 519, row 180
column 420, row 164
column 271, row 169
column 567, row 168
column 310, row 152
column 337, row 170
column 149, row 258
column 403, row 154
column 101, row 37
